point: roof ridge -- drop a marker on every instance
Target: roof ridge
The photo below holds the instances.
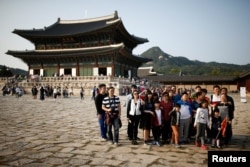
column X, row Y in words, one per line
column 110, row 17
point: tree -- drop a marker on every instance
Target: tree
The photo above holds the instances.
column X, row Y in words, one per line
column 5, row 72
column 215, row 71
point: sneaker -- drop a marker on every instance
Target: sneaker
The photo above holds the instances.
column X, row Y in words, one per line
column 116, row 144
column 178, row 146
column 154, row 142
column 197, row 144
column 219, row 147
column 204, row 147
column 158, row 143
column 104, row 139
column 110, row 142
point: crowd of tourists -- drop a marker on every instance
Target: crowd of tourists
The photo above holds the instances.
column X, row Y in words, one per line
column 164, row 115
column 16, row 91
column 51, row 92
column 167, row 116
column 42, row 92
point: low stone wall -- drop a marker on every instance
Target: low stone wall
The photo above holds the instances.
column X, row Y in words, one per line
column 87, row 82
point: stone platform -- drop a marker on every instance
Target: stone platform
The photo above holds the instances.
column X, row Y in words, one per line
column 65, row 132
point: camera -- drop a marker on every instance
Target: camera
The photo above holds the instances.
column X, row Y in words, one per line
column 113, row 109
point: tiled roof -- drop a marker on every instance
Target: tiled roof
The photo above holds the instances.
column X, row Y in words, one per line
column 75, row 27
column 76, row 52
column 65, row 29
column 245, row 74
column 61, row 52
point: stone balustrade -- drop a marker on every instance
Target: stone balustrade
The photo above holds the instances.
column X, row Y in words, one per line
column 87, row 82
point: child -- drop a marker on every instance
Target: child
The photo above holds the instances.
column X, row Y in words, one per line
column 157, row 122
column 201, row 122
column 175, row 123
column 216, row 128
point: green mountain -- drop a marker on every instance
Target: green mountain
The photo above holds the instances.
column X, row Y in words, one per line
column 9, row 71
column 165, row 63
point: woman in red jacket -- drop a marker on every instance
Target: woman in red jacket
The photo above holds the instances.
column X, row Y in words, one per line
column 166, row 105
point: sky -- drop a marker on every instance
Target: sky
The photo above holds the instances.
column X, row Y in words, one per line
column 204, row 30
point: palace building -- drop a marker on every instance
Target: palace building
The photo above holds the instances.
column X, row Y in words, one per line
column 91, row 47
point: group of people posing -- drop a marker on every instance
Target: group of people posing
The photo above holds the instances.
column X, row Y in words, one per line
column 171, row 117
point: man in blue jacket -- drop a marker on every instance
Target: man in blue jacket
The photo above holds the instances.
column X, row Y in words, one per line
column 186, row 113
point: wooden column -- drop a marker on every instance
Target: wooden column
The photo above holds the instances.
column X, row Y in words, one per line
column 28, row 75
column 58, row 69
column 113, row 66
column 77, row 68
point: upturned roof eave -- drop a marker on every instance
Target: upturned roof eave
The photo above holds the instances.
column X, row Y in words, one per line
column 56, row 51
column 43, row 34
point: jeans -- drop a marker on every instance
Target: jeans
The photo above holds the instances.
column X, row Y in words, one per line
column 201, row 128
column 115, row 124
column 103, row 126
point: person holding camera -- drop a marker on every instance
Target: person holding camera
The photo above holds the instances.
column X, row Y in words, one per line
column 111, row 105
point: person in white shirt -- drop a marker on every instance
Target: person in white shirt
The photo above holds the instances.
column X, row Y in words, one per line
column 134, row 111
column 215, row 98
column 214, row 101
column 128, row 98
column 55, row 92
column 201, row 122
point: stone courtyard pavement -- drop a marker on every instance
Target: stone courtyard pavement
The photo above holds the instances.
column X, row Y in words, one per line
column 64, row 132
